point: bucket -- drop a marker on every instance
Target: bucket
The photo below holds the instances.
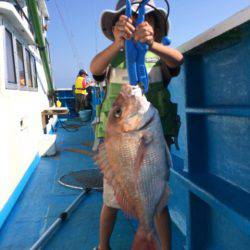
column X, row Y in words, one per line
column 85, row 115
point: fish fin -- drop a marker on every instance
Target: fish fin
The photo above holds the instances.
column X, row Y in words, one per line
column 163, row 201
column 101, row 160
column 124, row 204
column 144, row 241
column 146, row 139
column 122, row 199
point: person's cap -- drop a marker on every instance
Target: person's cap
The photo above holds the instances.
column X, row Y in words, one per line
column 82, row 71
column 109, row 18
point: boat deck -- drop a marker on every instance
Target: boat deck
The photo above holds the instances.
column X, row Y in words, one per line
column 44, row 199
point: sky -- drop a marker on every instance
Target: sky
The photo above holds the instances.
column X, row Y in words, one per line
column 75, row 36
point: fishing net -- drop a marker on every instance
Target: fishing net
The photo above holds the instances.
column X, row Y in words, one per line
column 88, row 178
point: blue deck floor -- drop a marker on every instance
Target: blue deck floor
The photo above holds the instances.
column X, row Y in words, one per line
column 44, row 199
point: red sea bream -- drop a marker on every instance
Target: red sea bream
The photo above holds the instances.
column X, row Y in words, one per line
column 135, row 161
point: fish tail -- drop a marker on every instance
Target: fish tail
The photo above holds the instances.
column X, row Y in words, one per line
column 144, row 241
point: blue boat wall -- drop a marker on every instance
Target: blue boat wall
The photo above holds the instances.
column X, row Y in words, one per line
column 67, row 98
column 210, row 181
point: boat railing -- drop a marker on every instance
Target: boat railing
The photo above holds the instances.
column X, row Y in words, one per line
column 21, row 12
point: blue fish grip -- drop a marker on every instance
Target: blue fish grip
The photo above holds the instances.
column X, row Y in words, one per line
column 128, row 11
column 141, row 67
column 142, row 49
column 131, row 52
column 141, row 13
column 136, row 52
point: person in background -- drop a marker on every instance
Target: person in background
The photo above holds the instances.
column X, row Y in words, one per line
column 80, row 90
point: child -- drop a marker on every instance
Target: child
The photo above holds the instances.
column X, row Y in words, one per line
column 162, row 63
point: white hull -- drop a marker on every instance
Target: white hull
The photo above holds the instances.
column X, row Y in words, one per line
column 20, row 110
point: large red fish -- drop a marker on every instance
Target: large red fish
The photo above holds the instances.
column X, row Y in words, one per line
column 135, row 162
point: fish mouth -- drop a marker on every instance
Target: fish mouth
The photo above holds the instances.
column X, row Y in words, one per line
column 147, row 123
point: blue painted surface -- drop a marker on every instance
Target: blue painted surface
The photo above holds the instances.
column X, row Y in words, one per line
column 210, row 180
column 44, row 199
column 6, row 210
column 98, row 95
column 67, row 98
column 210, row 201
column 18, row 190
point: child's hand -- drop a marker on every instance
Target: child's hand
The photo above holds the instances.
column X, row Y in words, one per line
column 123, row 29
column 144, row 33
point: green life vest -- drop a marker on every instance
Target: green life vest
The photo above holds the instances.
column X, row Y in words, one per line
column 158, row 95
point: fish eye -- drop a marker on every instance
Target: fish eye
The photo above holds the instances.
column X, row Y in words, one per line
column 118, row 112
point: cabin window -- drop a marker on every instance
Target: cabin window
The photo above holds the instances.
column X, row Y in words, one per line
column 11, row 73
column 21, row 68
column 28, row 68
column 22, row 80
column 34, row 72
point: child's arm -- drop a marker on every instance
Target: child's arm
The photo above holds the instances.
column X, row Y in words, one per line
column 172, row 57
column 122, row 30
column 101, row 61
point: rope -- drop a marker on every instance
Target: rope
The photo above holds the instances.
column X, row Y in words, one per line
column 95, row 29
column 71, row 127
column 69, row 36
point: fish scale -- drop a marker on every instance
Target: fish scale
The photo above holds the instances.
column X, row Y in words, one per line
column 136, row 162
column 151, row 174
